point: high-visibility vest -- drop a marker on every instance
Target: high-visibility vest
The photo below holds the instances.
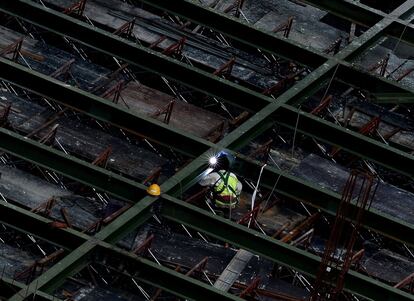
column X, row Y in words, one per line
column 226, row 186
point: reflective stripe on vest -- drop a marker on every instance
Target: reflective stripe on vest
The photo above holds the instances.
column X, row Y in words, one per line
column 227, row 204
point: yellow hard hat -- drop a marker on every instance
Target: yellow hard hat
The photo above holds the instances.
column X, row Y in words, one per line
column 154, row 190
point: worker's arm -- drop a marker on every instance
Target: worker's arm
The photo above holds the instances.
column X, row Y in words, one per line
column 239, row 188
column 209, row 180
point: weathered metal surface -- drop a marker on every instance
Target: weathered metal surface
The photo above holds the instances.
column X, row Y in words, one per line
column 175, row 213
column 211, row 225
column 149, row 28
column 132, row 53
column 388, row 199
column 80, row 139
column 138, row 98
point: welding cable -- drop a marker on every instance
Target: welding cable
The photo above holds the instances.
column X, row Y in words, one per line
column 399, row 40
column 255, row 193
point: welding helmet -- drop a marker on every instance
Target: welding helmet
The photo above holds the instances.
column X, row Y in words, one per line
column 154, row 190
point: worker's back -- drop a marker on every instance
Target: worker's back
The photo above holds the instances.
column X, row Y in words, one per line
column 225, row 187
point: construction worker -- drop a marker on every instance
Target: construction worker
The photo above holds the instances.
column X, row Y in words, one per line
column 225, row 188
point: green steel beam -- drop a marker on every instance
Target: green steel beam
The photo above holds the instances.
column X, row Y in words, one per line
column 153, row 274
column 371, row 83
column 28, row 222
column 396, row 98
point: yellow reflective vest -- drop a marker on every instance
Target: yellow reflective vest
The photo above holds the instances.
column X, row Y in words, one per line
column 226, row 187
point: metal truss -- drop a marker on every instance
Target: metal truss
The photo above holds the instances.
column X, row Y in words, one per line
column 82, row 248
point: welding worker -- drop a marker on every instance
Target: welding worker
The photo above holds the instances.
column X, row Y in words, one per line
column 225, row 188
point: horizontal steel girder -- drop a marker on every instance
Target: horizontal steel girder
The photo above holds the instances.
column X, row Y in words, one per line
column 249, row 35
column 154, row 274
column 396, row 98
column 179, row 284
column 13, row 217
